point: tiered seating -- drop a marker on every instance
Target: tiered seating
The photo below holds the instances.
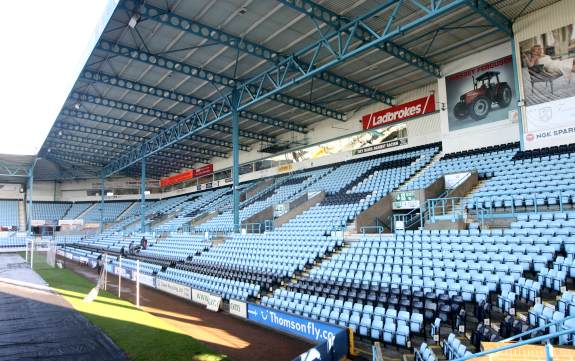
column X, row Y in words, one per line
column 424, row 353
column 77, row 209
column 12, row 241
column 111, row 211
column 9, row 213
column 176, row 247
column 453, row 348
column 50, row 210
column 288, row 188
column 488, row 162
column 203, row 202
column 215, row 285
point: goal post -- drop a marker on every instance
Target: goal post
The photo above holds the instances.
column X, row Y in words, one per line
column 40, row 252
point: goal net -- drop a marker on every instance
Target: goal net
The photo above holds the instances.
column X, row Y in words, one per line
column 40, row 252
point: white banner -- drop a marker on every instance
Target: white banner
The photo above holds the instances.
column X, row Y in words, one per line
column 83, row 259
column 71, row 222
column 238, row 308
column 212, row 302
column 454, row 179
column 549, row 124
column 173, row 288
column 145, row 279
column 69, row 255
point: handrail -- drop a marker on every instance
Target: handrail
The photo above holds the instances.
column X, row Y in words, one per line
column 379, row 229
column 487, row 211
column 252, row 227
column 531, row 331
column 517, row 344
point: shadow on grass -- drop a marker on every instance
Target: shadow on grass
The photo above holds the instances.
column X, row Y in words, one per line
column 141, row 335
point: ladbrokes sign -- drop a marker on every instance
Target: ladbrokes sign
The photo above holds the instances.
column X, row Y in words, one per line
column 399, row 112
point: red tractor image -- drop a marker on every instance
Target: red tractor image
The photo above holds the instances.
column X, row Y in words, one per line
column 478, row 102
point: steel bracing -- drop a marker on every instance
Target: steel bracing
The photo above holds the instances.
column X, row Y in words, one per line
column 215, row 78
column 322, row 14
column 99, row 77
column 160, row 114
column 335, row 47
column 148, row 12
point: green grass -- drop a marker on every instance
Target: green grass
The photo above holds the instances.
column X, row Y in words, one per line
column 143, row 336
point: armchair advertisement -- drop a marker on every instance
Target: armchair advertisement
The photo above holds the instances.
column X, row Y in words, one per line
column 548, row 69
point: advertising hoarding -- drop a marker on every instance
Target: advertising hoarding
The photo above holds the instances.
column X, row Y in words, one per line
column 548, row 67
column 480, row 95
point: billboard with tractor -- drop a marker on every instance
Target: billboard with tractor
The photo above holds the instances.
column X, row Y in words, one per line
column 480, row 95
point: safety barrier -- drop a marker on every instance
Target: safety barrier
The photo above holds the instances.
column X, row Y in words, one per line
column 548, row 347
column 332, row 341
column 452, row 208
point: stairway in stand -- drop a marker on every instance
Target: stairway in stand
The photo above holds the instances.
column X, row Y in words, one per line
column 21, row 215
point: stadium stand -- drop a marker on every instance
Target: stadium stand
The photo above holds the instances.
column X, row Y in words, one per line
column 9, row 213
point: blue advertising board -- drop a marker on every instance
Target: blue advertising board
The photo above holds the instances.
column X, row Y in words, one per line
column 331, row 339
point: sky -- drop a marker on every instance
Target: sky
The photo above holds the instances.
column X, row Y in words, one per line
column 45, row 44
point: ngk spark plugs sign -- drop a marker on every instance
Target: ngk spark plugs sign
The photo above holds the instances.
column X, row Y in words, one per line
column 548, row 73
column 399, row 112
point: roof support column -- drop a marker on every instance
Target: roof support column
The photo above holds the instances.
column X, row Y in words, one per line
column 520, row 101
column 29, row 193
column 143, row 197
column 102, row 185
column 236, row 159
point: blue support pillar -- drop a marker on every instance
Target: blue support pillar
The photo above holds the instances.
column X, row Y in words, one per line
column 29, row 193
column 236, row 160
column 143, row 197
column 102, row 190
column 516, row 70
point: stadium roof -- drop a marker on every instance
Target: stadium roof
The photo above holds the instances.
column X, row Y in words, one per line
column 158, row 61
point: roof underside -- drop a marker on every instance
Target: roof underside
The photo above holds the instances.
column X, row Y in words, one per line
column 121, row 100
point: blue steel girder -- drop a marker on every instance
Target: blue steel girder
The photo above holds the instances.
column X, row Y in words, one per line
column 131, row 85
column 13, row 170
column 115, row 151
column 215, row 78
column 160, row 114
column 492, row 15
column 96, row 161
column 277, row 78
column 62, row 124
column 139, row 126
column 88, row 153
column 71, row 159
column 92, row 131
column 334, row 20
column 207, row 32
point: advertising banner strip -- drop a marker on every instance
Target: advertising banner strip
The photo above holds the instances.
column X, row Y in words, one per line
column 310, row 329
column 187, row 175
column 238, row 308
column 399, row 112
column 381, row 146
column 178, row 178
column 205, row 170
column 174, row 288
column 212, row 302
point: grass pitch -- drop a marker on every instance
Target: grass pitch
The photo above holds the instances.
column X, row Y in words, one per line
column 142, row 336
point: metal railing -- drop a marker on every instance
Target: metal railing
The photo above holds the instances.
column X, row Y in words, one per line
column 458, row 206
column 548, row 347
column 252, row 227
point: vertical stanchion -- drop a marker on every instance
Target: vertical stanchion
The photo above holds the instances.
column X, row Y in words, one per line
column 32, row 255
column 138, row 283
column 120, row 279
column 105, row 270
column 27, row 251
